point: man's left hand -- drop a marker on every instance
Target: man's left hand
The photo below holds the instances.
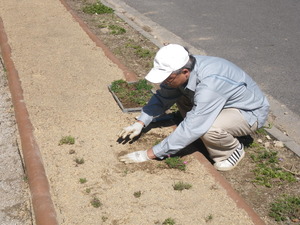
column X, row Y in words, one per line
column 135, row 157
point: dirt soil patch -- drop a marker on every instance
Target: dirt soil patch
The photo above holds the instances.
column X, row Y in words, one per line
column 128, row 47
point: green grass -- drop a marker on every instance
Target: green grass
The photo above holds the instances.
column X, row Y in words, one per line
column 67, row 140
column 116, row 30
column 97, row 8
column 143, row 53
column 180, row 186
column 268, row 169
column 138, row 92
column 264, row 156
column 176, row 163
column 140, row 51
column 285, row 207
column 255, row 145
column 261, row 131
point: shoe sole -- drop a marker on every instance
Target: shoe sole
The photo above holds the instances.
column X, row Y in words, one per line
column 230, row 168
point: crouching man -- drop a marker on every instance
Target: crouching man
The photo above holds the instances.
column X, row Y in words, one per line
column 218, row 100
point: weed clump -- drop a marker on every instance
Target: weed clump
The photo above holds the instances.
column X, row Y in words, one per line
column 82, row 180
column 169, row 221
column 67, row 140
column 95, row 202
column 267, row 168
column 180, row 186
column 284, row 208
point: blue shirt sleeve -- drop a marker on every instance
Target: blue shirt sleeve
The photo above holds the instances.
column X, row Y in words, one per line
column 207, row 106
column 162, row 100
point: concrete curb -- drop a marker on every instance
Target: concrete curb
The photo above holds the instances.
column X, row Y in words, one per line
column 38, row 183
column 131, row 76
column 286, row 140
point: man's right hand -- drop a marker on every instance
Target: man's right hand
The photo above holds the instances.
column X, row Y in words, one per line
column 133, row 130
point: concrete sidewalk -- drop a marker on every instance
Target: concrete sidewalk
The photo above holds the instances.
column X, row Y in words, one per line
column 58, row 65
column 15, row 199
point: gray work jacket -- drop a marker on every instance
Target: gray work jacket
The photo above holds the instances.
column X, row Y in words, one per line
column 214, row 84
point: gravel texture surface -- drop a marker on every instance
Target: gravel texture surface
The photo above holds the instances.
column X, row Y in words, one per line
column 15, row 199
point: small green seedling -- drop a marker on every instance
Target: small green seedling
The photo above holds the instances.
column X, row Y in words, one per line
column 137, row 194
column 67, row 140
column 176, row 163
column 82, row 180
column 88, row 190
column 95, row 202
column 208, row 218
column 180, row 186
column 25, row 179
column 169, row 221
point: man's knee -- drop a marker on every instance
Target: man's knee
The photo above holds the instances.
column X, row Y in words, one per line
column 214, row 135
column 217, row 139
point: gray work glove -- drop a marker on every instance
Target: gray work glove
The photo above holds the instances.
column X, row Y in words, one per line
column 135, row 157
column 133, row 130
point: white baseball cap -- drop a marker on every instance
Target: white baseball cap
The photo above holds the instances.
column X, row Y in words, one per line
column 167, row 60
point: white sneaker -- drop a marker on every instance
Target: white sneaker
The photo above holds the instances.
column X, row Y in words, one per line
column 232, row 161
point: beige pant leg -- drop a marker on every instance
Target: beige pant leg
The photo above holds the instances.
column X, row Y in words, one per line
column 220, row 140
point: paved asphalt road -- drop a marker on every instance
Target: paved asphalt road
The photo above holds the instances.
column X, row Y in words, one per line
column 262, row 37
